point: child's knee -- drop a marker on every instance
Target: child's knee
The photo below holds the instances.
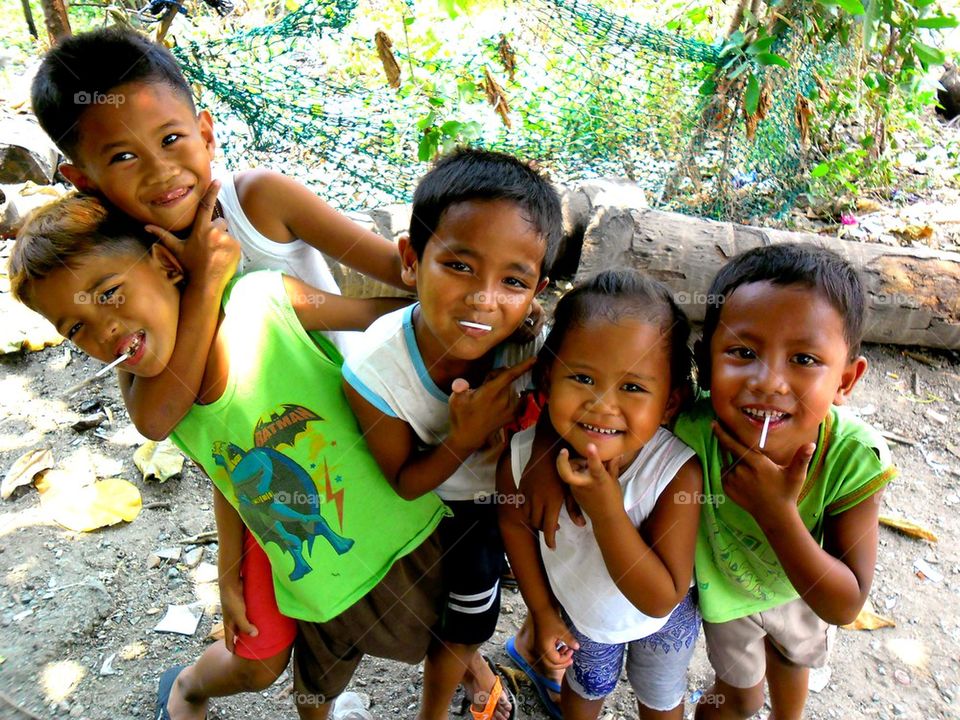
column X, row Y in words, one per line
column 742, row 702
column 257, row 675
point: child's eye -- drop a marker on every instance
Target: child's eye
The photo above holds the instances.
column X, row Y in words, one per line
column 458, row 266
column 74, row 329
column 516, row 283
column 582, row 379
column 171, row 138
column 742, row 353
column 633, row 388
column 121, row 156
column 805, row 360
column 105, row 296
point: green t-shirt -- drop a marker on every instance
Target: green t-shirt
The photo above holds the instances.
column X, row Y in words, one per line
column 738, row 573
column 285, row 449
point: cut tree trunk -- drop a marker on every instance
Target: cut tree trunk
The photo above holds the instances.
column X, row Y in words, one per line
column 55, row 18
column 913, row 294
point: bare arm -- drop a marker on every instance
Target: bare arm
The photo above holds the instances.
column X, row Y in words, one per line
column 393, row 443
column 475, row 415
column 523, row 549
column 319, row 310
column 834, row 580
column 282, row 209
column 651, row 567
column 543, row 490
column 210, row 255
column 229, row 556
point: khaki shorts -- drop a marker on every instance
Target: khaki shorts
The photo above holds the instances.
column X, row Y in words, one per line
column 393, row 621
column 737, row 649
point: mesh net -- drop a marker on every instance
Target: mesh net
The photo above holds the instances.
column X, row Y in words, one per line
column 581, row 90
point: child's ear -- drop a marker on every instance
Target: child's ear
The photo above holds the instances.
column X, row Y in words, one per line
column 408, row 261
column 674, row 403
column 851, row 376
column 77, row 177
column 205, row 121
column 167, row 262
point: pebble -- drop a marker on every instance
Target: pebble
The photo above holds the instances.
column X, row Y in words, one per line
column 899, row 710
column 875, row 697
column 172, row 572
column 901, row 677
column 881, row 670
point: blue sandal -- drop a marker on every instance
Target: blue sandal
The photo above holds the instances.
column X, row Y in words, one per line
column 164, row 688
column 543, row 685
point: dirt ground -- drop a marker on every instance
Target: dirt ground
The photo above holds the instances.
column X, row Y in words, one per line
column 78, row 610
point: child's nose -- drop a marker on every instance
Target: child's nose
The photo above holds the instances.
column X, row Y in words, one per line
column 602, row 402
column 768, row 379
column 160, row 168
column 483, row 298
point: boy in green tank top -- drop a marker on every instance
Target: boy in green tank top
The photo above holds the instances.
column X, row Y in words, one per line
column 273, row 430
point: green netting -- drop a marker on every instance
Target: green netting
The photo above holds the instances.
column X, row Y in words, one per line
column 592, row 94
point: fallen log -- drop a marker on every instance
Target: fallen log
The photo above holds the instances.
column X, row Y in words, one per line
column 913, row 294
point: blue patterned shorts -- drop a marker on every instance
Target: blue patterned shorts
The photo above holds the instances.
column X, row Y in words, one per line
column 656, row 664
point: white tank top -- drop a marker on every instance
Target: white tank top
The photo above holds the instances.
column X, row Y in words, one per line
column 295, row 258
column 576, row 570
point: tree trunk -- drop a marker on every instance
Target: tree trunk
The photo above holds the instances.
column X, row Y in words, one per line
column 913, row 295
column 55, row 18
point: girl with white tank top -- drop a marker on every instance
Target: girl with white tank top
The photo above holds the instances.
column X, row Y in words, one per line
column 615, row 368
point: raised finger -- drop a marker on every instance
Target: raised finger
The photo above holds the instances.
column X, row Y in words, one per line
column 208, row 204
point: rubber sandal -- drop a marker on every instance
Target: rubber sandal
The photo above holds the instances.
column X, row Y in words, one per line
column 543, row 685
column 493, row 698
column 164, row 688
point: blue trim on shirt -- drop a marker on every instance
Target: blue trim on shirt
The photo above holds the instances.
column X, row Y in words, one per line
column 369, row 395
column 418, row 365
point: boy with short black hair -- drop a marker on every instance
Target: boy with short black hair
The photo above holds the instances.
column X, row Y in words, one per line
column 484, row 232
column 119, row 108
column 354, row 565
column 788, row 537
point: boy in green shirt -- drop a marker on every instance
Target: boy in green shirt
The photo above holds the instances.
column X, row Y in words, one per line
column 272, row 428
column 788, row 534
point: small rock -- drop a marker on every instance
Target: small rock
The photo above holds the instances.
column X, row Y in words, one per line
column 937, row 417
column 89, row 406
column 193, row 557
column 899, row 710
column 88, row 422
column 901, row 677
column 172, row 573
column 153, row 561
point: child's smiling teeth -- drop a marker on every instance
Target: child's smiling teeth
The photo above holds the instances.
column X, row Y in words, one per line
column 600, row 430
column 762, row 414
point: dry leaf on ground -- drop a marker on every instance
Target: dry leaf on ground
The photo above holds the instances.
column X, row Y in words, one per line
column 161, row 460
column 24, row 469
column 908, row 528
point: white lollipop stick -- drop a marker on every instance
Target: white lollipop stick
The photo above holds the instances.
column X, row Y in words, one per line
column 476, row 326
column 100, row 373
column 763, row 433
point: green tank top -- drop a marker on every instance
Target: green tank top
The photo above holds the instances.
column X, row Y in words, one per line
column 284, row 448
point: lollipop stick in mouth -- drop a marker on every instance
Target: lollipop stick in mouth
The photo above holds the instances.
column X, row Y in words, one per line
column 100, row 373
column 763, row 433
column 476, row 326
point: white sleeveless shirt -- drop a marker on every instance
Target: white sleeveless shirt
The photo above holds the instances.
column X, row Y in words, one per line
column 295, row 258
column 576, row 570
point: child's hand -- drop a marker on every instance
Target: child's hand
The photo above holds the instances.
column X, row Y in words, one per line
column 593, row 483
column 209, row 253
column 552, row 641
column 477, row 415
column 757, row 483
column 234, row 612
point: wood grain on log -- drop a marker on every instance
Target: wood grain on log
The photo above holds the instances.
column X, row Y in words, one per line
column 913, row 294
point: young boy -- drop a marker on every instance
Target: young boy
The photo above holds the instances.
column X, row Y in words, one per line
column 432, row 385
column 273, row 430
column 119, row 108
column 788, row 540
